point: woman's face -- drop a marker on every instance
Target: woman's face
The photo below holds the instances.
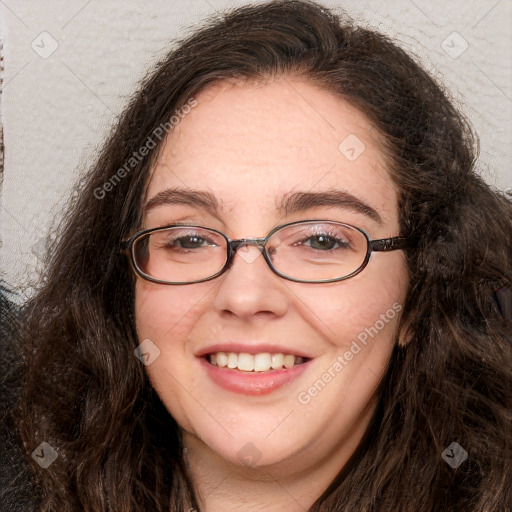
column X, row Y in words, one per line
column 251, row 147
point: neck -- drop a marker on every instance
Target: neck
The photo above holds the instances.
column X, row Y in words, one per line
column 291, row 485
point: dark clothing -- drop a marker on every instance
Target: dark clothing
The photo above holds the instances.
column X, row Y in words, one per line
column 15, row 474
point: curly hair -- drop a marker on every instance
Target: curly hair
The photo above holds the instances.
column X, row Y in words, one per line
column 449, row 376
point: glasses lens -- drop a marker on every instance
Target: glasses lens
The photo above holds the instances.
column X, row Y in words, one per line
column 317, row 251
column 180, row 254
column 308, row 251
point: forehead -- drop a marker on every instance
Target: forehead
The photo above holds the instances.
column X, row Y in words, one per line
column 258, row 143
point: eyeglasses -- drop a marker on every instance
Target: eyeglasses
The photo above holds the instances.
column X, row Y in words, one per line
column 308, row 251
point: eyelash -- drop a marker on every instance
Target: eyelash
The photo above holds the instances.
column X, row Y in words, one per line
column 343, row 244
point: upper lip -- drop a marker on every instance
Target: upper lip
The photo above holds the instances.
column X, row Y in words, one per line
column 250, row 348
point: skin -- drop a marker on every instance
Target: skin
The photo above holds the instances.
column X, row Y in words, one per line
column 250, row 145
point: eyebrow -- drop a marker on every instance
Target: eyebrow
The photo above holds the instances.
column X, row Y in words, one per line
column 197, row 198
column 300, row 201
column 293, row 203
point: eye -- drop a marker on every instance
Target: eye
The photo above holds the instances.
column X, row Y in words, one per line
column 327, row 242
column 190, row 242
column 184, row 240
column 315, row 240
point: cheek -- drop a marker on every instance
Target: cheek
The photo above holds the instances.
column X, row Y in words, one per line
column 165, row 316
column 345, row 310
column 161, row 309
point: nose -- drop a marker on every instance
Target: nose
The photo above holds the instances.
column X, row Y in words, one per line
column 249, row 287
column 242, row 248
column 244, row 242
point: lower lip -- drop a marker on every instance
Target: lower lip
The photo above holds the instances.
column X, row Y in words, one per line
column 252, row 383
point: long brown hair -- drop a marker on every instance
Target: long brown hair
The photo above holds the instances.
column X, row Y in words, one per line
column 448, row 380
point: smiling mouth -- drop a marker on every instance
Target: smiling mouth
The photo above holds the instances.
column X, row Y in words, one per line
column 255, row 363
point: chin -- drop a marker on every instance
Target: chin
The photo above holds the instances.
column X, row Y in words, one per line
column 250, row 451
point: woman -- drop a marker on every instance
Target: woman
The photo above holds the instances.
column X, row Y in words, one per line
column 276, row 289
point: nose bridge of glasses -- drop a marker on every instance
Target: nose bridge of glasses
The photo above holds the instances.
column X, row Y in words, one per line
column 236, row 244
column 247, row 256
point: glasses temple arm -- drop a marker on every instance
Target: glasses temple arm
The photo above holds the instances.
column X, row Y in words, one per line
column 391, row 244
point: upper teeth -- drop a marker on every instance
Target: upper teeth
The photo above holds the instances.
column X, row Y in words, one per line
column 258, row 362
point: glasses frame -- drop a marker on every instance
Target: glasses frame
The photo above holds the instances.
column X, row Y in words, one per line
column 378, row 245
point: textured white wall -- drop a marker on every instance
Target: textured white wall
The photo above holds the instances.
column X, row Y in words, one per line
column 57, row 107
